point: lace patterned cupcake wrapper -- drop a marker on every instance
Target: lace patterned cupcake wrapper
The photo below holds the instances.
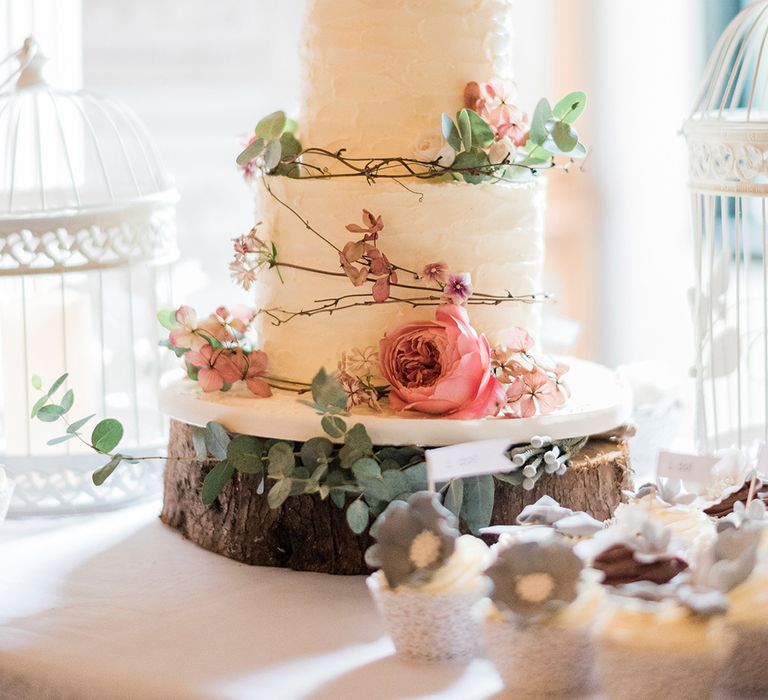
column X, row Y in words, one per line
column 429, row 627
column 536, row 661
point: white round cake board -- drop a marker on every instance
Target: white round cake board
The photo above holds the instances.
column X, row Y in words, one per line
column 600, row 401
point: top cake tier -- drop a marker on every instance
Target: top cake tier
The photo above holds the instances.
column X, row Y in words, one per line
column 378, row 73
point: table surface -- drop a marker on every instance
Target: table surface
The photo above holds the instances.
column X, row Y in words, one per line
column 119, row 606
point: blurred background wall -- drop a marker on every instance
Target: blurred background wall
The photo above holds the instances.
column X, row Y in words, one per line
column 201, row 73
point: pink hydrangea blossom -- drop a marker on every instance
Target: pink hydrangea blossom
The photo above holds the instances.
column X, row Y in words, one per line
column 440, row 367
column 494, row 101
column 533, row 393
column 458, row 289
column 257, row 365
column 436, row 272
column 216, row 367
column 189, row 333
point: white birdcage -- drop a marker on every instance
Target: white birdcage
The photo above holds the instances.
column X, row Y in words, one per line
column 727, row 136
column 87, row 235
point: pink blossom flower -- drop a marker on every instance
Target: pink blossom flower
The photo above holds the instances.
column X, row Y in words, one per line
column 257, row 368
column 436, row 272
column 189, row 332
column 249, row 169
column 518, row 340
column 216, row 367
column 533, row 393
column 458, row 289
column 371, row 226
column 494, row 102
column 440, row 367
column 358, row 393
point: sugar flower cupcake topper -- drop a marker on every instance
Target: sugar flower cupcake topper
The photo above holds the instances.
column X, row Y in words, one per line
column 533, row 579
column 414, row 539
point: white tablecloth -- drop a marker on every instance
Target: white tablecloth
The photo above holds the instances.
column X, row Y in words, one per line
column 120, row 606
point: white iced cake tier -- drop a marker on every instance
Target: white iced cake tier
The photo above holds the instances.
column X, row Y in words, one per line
column 493, row 231
column 377, row 73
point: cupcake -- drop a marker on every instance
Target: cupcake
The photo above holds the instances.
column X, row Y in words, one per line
column 739, row 568
column 429, row 578
column 672, row 649
column 536, row 625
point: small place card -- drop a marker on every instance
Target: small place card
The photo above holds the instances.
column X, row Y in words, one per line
column 688, row 467
column 468, row 459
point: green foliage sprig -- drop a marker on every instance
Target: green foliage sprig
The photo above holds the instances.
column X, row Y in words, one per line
column 343, row 465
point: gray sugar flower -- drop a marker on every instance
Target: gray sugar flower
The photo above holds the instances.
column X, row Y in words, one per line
column 532, row 579
column 733, row 556
column 546, row 511
column 414, row 539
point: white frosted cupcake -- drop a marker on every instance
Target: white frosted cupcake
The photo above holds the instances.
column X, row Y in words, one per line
column 739, row 567
column 537, row 623
column 429, row 580
column 660, row 650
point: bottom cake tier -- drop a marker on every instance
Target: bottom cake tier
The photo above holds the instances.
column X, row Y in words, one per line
column 310, row 534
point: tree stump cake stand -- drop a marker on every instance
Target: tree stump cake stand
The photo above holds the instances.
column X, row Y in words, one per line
column 310, row 534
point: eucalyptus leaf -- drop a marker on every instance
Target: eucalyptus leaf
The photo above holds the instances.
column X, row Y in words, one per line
column 397, row 483
column 570, row 108
column 315, row 451
column 106, row 435
column 245, row 453
column 328, row 392
column 417, row 476
column 68, row 400
column 271, row 126
column 272, row 155
column 79, row 423
column 215, row 481
column 339, row 497
column 216, row 440
column 60, row 439
column 279, row 492
column 55, row 386
column 333, row 425
column 198, row 443
column 451, row 133
column 564, row 136
column 482, row 136
column 289, row 145
column 319, row 472
column 50, row 413
column 348, row 455
column 281, row 460
column 38, row 405
column 477, row 503
column 454, row 496
column 103, row 473
column 473, row 158
column 541, row 115
column 357, row 438
column 167, row 318
column 37, row 382
column 251, row 151
column 366, row 468
column 291, row 126
column 358, row 516
column 465, row 128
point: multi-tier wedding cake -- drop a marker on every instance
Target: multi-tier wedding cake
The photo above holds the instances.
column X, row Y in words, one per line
column 396, row 267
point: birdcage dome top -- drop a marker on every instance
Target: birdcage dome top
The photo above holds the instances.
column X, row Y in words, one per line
column 727, row 130
column 72, row 155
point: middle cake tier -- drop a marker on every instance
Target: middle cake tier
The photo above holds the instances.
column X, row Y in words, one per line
column 492, row 231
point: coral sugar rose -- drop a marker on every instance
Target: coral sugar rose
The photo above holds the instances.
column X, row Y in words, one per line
column 442, row 367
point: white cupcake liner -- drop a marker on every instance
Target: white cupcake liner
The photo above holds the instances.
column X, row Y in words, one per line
column 540, row 660
column 747, row 667
column 428, row 627
column 629, row 673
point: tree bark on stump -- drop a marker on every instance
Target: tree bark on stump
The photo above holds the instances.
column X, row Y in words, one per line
column 309, row 534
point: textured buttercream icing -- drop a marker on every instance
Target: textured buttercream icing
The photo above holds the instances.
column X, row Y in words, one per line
column 748, row 602
column 688, row 524
column 494, row 231
column 377, row 73
column 660, row 626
